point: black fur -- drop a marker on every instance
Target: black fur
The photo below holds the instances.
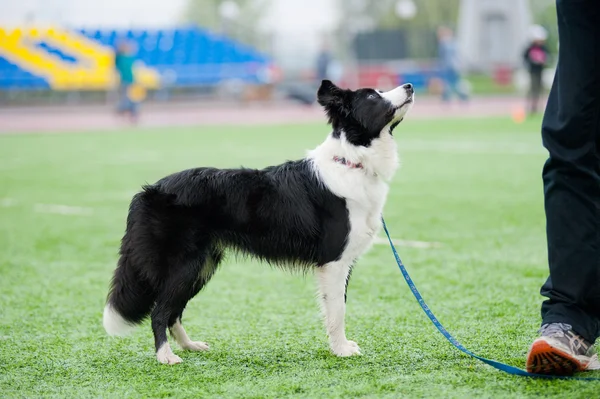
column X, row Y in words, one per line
column 179, row 226
column 361, row 114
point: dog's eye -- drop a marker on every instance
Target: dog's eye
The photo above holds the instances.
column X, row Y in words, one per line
column 371, row 96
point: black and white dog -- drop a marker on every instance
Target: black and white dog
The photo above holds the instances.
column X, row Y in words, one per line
column 321, row 212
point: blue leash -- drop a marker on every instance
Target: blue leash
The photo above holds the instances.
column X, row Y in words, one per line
column 500, row 366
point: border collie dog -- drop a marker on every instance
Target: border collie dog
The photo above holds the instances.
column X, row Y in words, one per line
column 321, row 213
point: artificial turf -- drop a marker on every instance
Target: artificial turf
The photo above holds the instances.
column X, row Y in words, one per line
column 472, row 185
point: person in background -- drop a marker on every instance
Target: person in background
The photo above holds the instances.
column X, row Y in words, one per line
column 536, row 57
column 124, row 61
column 449, row 64
column 324, row 59
column 571, row 134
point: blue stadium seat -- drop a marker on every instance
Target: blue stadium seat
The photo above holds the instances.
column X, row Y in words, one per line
column 13, row 77
column 195, row 55
column 57, row 52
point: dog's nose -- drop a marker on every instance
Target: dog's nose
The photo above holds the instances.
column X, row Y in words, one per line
column 409, row 88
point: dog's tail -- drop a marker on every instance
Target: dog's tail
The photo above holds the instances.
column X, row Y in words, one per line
column 129, row 301
column 131, row 296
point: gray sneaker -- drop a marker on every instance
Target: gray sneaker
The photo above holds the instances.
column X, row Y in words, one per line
column 559, row 351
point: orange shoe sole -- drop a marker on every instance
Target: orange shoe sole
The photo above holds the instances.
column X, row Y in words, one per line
column 543, row 358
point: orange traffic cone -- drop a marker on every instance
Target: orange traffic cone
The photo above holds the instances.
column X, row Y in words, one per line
column 518, row 115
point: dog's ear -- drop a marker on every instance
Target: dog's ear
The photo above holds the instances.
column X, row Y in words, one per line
column 332, row 97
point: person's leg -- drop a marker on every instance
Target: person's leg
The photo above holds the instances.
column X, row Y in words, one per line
column 130, row 106
column 458, row 87
column 453, row 81
column 123, row 99
column 133, row 111
column 529, row 93
column 447, row 89
column 571, row 134
column 535, row 91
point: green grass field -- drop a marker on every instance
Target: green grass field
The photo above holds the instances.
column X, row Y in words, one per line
column 472, row 185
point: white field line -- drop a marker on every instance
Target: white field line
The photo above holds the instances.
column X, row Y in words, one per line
column 51, row 208
column 8, row 202
column 86, row 211
column 408, row 243
column 63, row 209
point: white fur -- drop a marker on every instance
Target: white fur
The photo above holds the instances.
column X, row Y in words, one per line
column 332, row 286
column 114, row 323
column 365, row 191
column 184, row 341
column 396, row 96
column 165, row 355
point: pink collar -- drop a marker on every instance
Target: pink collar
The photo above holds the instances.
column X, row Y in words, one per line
column 349, row 164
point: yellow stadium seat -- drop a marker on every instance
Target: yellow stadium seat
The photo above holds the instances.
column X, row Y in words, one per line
column 97, row 81
column 16, row 33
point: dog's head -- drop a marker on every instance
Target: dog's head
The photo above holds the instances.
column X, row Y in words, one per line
column 365, row 114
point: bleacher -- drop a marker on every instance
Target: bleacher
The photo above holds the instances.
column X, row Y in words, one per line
column 189, row 56
column 83, row 59
column 13, row 77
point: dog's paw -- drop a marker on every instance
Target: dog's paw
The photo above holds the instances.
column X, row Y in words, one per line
column 348, row 348
column 195, row 346
column 170, row 358
column 166, row 356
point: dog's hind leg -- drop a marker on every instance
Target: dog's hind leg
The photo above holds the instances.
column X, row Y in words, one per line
column 183, row 283
column 167, row 304
column 206, row 272
column 333, row 279
column 184, row 341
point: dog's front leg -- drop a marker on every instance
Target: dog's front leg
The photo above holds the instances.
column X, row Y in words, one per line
column 333, row 278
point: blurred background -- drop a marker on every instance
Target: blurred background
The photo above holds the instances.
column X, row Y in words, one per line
column 98, row 98
column 134, row 53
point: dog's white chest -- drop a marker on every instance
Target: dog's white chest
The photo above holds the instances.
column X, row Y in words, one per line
column 365, row 217
column 364, row 189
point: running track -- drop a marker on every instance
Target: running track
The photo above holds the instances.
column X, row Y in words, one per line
column 58, row 119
